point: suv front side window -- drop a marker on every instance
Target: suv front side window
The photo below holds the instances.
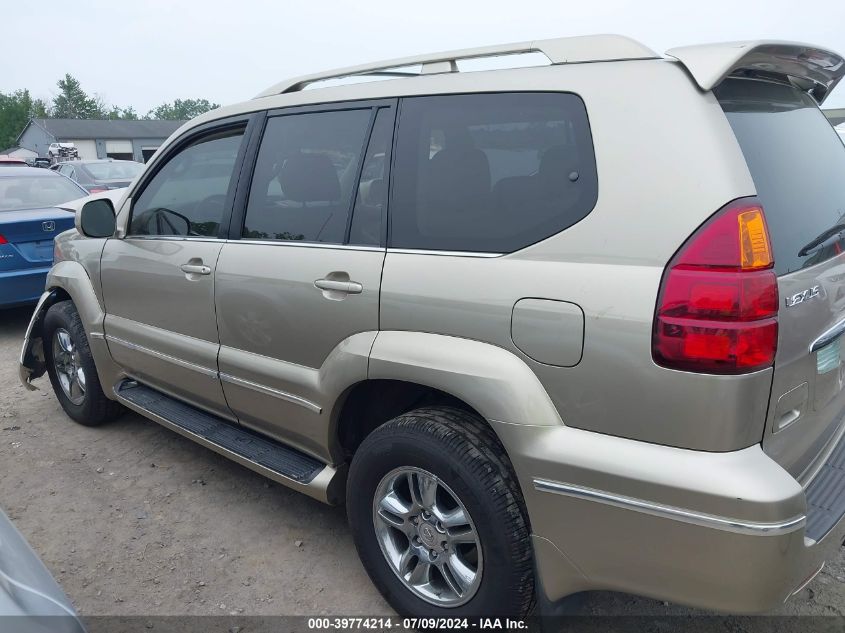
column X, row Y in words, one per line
column 188, row 196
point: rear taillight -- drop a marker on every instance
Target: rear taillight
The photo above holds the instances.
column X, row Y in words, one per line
column 3, row 240
column 94, row 190
column 718, row 302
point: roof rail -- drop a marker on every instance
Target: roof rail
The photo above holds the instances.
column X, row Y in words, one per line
column 588, row 48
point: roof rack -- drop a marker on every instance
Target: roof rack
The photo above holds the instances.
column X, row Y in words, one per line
column 589, row 48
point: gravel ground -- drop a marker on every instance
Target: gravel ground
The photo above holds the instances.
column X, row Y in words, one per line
column 133, row 519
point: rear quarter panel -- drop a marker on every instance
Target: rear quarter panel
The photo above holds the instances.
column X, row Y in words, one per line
column 667, row 160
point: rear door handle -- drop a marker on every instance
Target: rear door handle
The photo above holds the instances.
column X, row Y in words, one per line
column 196, row 269
column 349, row 287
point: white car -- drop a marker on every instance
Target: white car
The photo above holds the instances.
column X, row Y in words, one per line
column 63, row 150
column 841, row 130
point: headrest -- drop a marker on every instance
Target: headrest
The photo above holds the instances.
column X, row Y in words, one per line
column 375, row 193
column 460, row 173
column 309, row 178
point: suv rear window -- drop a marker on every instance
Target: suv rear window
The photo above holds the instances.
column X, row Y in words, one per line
column 798, row 165
column 490, row 172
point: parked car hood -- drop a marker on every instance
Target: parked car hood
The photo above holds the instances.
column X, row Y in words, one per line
column 115, row 195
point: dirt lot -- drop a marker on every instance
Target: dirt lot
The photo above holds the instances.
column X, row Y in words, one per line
column 132, row 519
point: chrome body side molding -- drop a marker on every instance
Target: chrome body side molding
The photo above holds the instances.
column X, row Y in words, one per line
column 670, row 512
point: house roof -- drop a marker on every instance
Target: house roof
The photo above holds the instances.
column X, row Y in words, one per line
column 107, row 128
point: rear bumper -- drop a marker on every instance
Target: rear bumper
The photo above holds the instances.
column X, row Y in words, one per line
column 22, row 287
column 721, row 531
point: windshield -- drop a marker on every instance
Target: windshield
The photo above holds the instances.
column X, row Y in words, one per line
column 113, row 171
column 797, row 162
column 35, row 192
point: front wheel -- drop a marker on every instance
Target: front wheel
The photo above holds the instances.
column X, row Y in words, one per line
column 438, row 517
column 71, row 368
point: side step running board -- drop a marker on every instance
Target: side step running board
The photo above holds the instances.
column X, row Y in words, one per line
column 272, row 459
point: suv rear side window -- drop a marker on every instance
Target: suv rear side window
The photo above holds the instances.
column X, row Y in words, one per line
column 797, row 162
column 305, row 176
column 188, row 195
column 490, row 172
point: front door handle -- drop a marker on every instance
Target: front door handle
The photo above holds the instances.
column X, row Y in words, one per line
column 336, row 285
column 195, row 269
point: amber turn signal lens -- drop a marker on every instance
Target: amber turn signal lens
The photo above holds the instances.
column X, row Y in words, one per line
column 755, row 250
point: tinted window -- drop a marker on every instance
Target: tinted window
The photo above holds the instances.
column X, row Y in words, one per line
column 126, row 170
column 798, row 165
column 372, row 188
column 305, row 176
column 32, row 192
column 188, row 195
column 490, row 172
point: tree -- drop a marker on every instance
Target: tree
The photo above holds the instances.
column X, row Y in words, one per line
column 40, row 109
column 127, row 114
column 73, row 102
column 181, row 109
column 16, row 109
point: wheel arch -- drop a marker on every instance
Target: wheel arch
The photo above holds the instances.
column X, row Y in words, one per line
column 408, row 370
column 69, row 281
column 370, row 403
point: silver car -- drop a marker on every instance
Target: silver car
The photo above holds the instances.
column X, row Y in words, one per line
column 543, row 329
column 30, row 600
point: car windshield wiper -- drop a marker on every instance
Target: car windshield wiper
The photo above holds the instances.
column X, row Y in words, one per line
column 833, row 231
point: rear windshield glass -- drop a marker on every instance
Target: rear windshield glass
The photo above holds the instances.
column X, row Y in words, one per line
column 111, row 171
column 34, row 192
column 797, row 162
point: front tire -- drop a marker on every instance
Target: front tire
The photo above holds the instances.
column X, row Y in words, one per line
column 438, row 517
column 71, row 368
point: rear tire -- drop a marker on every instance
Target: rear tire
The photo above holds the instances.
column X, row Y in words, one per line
column 479, row 564
column 71, row 368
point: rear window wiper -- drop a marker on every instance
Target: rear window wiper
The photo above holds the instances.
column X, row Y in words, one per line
column 834, row 231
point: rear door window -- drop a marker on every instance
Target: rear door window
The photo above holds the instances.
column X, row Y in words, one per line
column 490, row 172
column 305, row 176
column 371, row 200
column 797, row 162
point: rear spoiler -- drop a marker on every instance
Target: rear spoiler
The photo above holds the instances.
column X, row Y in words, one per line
column 808, row 67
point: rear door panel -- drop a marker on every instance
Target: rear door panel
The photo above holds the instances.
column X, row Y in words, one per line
column 297, row 286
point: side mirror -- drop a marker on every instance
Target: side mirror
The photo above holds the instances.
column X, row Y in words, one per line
column 96, row 218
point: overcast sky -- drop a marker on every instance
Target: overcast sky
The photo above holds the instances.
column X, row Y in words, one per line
column 143, row 52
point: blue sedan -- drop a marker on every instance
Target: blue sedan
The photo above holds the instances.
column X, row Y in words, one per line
column 30, row 218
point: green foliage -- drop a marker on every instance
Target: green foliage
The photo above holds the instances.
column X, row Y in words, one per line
column 181, row 109
column 127, row 114
column 16, row 109
column 72, row 102
column 40, row 109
